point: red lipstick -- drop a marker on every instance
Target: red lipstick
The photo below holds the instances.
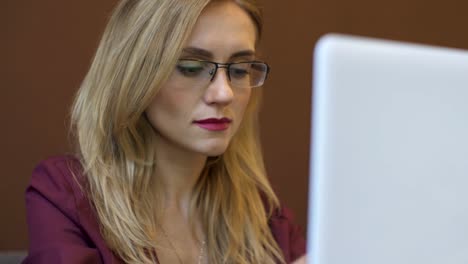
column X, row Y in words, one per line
column 214, row 124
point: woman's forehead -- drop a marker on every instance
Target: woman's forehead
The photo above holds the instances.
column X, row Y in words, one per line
column 223, row 27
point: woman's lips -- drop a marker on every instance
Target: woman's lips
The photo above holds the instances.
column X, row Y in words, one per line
column 214, row 124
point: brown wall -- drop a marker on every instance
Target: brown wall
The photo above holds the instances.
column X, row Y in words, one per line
column 47, row 45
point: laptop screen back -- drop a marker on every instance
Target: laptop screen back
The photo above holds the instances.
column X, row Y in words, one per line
column 389, row 153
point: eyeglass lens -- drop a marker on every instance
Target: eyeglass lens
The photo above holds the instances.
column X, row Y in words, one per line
column 241, row 75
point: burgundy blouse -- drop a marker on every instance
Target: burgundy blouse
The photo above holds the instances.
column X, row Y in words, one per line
column 63, row 227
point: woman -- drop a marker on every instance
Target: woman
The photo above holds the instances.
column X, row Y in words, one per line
column 168, row 167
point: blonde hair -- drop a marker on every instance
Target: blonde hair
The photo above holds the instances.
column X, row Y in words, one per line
column 139, row 49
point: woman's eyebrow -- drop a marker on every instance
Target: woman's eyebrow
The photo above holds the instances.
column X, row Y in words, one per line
column 192, row 51
column 243, row 54
column 205, row 54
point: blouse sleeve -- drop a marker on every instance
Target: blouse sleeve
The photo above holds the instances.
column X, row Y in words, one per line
column 55, row 234
column 288, row 234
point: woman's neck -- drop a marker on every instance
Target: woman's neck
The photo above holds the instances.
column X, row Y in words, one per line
column 177, row 172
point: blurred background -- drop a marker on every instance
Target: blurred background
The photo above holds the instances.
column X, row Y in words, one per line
column 46, row 48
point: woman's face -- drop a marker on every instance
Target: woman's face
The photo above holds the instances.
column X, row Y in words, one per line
column 198, row 118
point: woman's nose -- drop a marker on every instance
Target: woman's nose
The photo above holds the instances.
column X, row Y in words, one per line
column 219, row 90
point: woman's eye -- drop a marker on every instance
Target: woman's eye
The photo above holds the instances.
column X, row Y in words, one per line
column 190, row 70
column 239, row 73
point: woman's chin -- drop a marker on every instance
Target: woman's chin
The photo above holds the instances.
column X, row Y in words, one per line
column 214, row 150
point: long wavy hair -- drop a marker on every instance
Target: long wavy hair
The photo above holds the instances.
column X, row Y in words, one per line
column 115, row 142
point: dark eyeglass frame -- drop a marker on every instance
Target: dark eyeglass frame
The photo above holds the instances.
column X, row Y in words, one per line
column 227, row 66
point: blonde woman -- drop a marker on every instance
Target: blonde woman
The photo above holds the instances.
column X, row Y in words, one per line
column 168, row 168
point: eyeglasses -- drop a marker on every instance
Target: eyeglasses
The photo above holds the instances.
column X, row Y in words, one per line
column 199, row 73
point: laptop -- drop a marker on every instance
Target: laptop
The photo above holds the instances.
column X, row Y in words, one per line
column 389, row 153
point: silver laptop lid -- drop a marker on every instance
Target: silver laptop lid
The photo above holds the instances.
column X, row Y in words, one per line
column 389, row 153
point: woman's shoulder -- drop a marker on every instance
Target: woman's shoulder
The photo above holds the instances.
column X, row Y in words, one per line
column 59, row 179
column 288, row 235
column 282, row 220
column 60, row 162
column 62, row 223
column 283, row 213
column 64, row 171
